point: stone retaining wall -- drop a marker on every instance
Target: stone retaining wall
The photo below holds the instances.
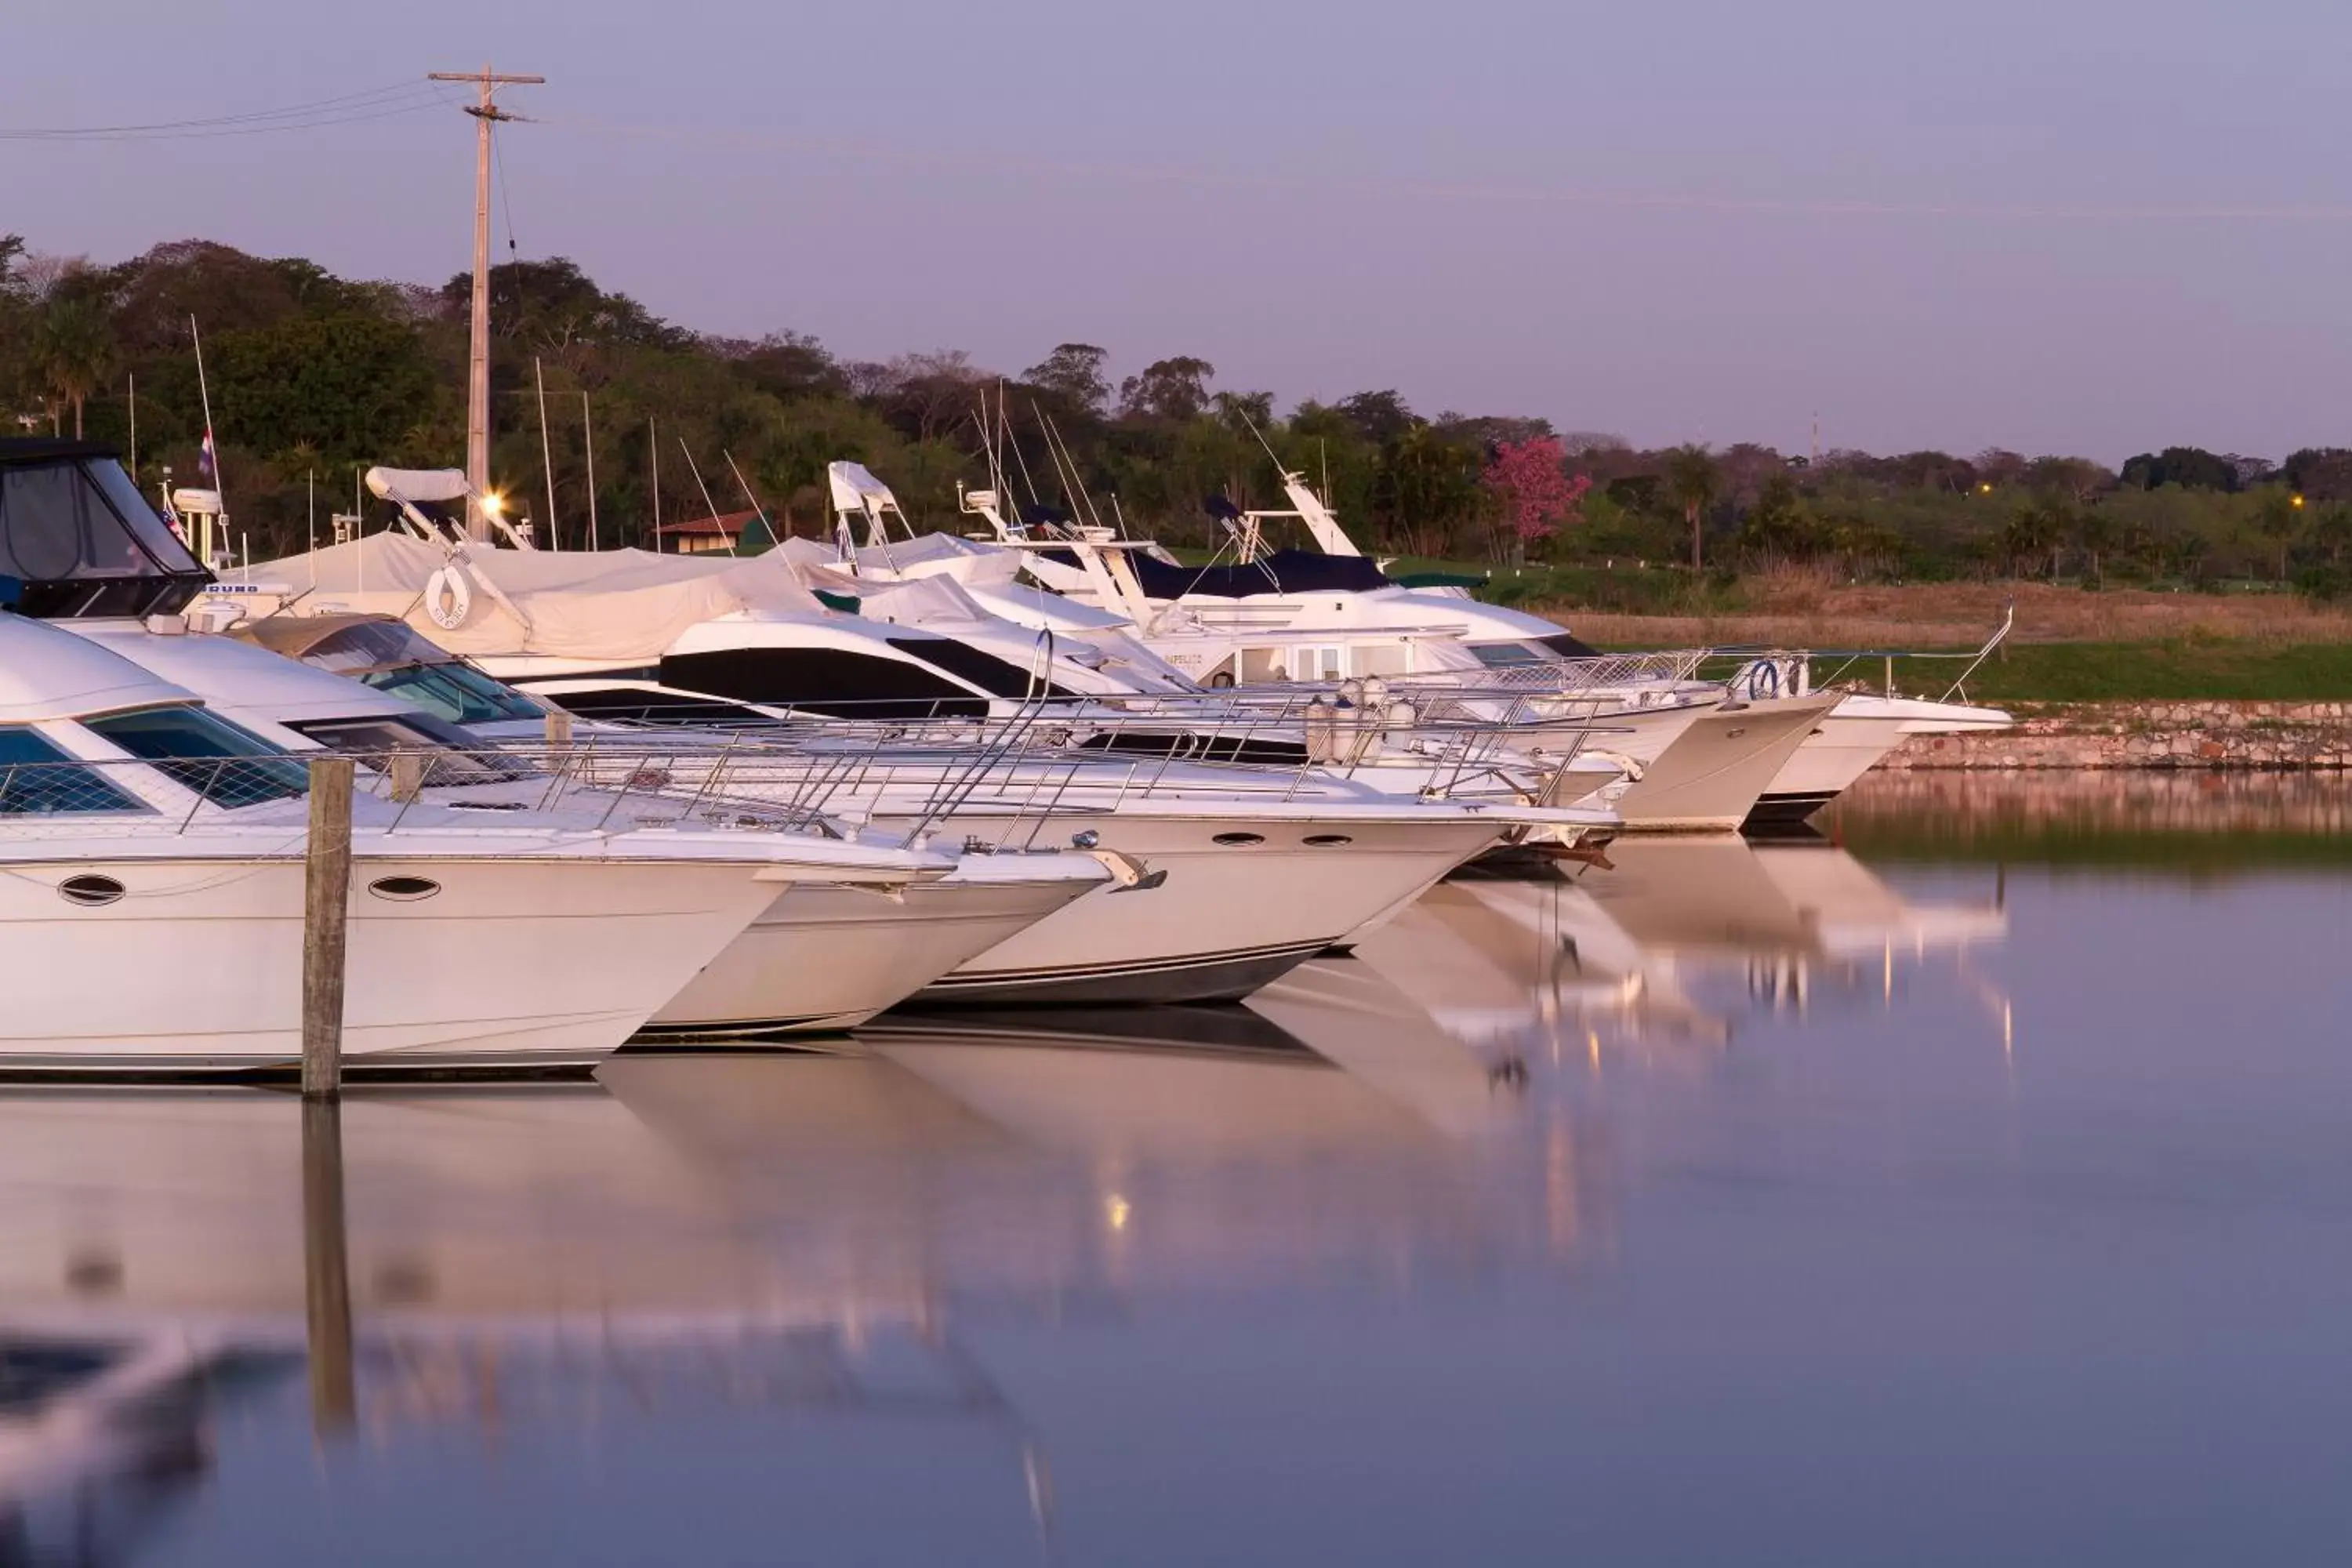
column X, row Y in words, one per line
column 2211, row 735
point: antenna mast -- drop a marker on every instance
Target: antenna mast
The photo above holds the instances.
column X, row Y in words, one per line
column 486, row 114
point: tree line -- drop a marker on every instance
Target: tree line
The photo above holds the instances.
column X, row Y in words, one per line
column 311, row 377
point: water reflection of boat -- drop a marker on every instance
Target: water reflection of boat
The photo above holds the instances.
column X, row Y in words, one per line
column 731, row 1231
column 1496, row 962
column 1506, row 965
column 1355, row 1015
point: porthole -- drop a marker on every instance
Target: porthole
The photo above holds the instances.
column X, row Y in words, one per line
column 1327, row 840
column 403, row 889
column 90, row 892
column 1238, row 841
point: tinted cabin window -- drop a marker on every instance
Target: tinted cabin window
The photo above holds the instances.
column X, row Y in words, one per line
column 1197, row 747
column 828, row 681
column 227, row 765
column 459, row 692
column 36, row 779
column 1567, row 647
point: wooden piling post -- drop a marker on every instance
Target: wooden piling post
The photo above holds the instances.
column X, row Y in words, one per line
column 407, row 776
column 326, row 1270
column 559, row 729
column 326, row 913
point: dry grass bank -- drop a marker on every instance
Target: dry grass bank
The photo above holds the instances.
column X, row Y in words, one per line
column 1798, row 609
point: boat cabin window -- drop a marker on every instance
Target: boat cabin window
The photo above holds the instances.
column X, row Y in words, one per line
column 225, row 763
column 38, row 779
column 1293, row 663
column 1509, row 654
column 456, row 758
column 457, row 692
column 841, row 682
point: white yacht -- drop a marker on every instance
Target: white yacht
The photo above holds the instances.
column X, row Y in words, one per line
column 825, row 954
column 154, row 900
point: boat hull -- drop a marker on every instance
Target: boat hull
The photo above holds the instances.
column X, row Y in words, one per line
column 1849, row 742
column 825, row 958
column 1223, row 919
column 1711, row 778
column 505, row 964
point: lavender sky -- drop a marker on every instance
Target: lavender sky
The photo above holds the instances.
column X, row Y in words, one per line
column 2080, row 225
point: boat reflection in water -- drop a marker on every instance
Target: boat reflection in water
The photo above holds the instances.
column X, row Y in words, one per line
column 819, row 1258
column 1635, row 951
column 733, row 1232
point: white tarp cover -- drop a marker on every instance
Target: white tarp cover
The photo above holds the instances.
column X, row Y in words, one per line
column 907, row 602
column 416, row 484
column 574, row 603
column 855, row 489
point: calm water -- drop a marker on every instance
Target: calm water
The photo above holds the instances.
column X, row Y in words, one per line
column 1980, row 1191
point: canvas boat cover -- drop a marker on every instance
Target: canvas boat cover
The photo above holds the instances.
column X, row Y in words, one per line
column 938, row 602
column 573, row 603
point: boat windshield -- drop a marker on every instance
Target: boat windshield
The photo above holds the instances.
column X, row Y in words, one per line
column 38, row 779
column 228, row 765
column 457, row 692
column 1504, row 655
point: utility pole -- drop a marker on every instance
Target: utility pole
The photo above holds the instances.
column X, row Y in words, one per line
column 486, row 114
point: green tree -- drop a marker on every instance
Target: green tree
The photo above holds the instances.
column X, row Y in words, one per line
column 1174, row 390
column 73, row 353
column 1693, row 480
column 1073, row 372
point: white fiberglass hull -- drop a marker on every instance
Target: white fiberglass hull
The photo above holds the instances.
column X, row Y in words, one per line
column 825, row 958
column 1710, row 778
column 1853, row 739
column 1226, row 917
column 506, row 963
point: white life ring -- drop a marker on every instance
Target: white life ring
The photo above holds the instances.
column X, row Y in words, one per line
column 448, row 596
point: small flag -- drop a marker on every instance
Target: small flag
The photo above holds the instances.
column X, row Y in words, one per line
column 206, row 461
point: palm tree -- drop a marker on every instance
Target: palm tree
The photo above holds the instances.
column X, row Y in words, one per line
column 73, row 353
column 1693, row 479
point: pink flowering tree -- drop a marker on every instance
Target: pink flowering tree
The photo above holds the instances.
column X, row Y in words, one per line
column 1531, row 485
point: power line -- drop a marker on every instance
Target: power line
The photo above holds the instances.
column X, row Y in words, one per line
column 343, row 108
